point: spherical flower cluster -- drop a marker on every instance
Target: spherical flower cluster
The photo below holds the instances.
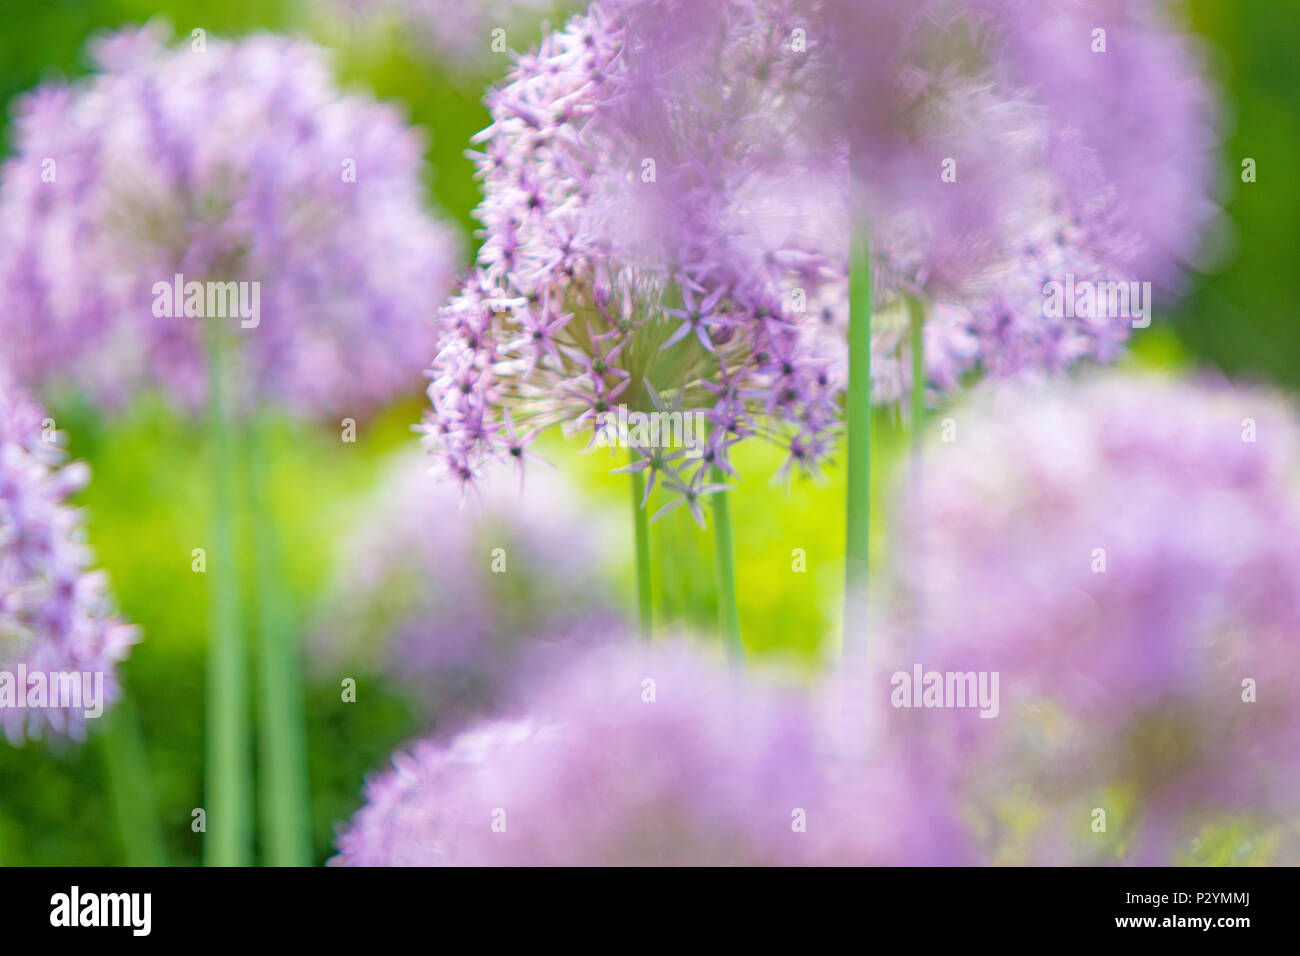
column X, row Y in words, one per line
column 668, row 189
column 997, row 146
column 687, row 268
column 1124, row 553
column 56, row 617
column 177, row 185
column 461, row 606
column 641, row 757
column 1122, row 83
column 1098, row 175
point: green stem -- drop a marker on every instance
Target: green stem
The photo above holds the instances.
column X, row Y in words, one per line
column 126, row 765
column 858, row 411
column 641, row 524
column 728, row 613
column 227, row 840
column 916, row 317
column 282, row 736
column 672, row 597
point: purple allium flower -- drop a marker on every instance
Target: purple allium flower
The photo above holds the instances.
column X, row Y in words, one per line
column 667, row 197
column 56, row 615
column 888, row 800
column 242, row 163
column 640, row 755
column 1124, row 552
column 673, row 270
column 459, row 605
column 1069, row 152
column 984, row 162
column 1141, row 110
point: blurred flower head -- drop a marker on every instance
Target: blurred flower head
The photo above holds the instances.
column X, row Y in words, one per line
column 641, row 756
column 464, row 604
column 1123, row 552
column 690, row 267
column 223, row 188
column 669, row 188
column 1127, row 96
column 57, row 622
column 1001, row 145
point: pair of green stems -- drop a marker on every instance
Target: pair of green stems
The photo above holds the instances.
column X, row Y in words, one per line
column 227, row 812
column 724, row 554
column 282, row 749
column 858, row 498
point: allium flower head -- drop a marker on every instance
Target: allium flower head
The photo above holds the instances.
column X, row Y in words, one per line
column 1133, row 102
column 461, row 603
column 237, row 163
column 1124, row 552
column 999, row 145
column 56, row 615
column 636, row 756
column 669, row 271
column 669, row 187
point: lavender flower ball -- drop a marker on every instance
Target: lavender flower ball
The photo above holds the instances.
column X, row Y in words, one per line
column 713, row 153
column 1124, row 552
column 56, row 615
column 688, row 267
column 1127, row 88
column 986, row 143
column 638, row 756
column 458, row 602
column 221, row 162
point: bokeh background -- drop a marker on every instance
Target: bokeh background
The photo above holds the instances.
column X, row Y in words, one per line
column 148, row 501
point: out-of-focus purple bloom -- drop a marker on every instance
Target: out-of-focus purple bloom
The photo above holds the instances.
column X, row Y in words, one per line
column 679, row 269
column 237, row 163
column 1124, row 552
column 56, row 617
column 1141, row 111
column 986, row 143
column 1072, row 152
column 887, row 799
column 642, row 756
column 460, row 603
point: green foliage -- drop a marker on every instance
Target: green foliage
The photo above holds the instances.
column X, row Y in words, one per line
column 1243, row 317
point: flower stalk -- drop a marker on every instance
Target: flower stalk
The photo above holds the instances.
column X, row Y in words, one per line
column 641, row 530
column 284, row 798
column 728, row 612
column 126, row 765
column 229, row 797
column 916, row 319
column 858, row 415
